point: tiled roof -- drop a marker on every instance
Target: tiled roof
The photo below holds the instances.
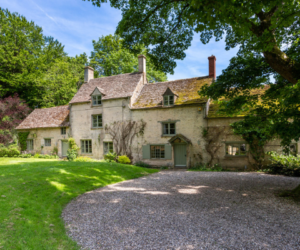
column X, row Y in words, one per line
column 185, row 89
column 213, row 111
column 47, row 118
column 112, row 86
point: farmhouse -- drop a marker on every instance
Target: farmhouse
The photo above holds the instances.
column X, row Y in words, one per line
column 163, row 124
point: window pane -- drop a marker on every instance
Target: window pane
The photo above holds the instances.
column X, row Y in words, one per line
column 111, row 147
column 99, row 99
column 90, row 146
column 152, row 150
column 166, row 128
column 171, row 100
column 162, row 151
column 99, row 120
column 172, row 128
column 82, row 146
column 243, row 149
column 166, row 100
column 94, row 100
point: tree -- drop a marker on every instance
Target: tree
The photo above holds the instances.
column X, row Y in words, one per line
column 12, row 111
column 167, row 27
column 29, row 63
column 109, row 57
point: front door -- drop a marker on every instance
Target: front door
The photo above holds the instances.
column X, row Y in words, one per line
column 180, row 155
column 64, row 148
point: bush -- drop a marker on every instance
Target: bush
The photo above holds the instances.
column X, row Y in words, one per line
column 72, row 152
column 110, row 157
column 25, row 156
column 12, row 152
column 36, row 155
column 284, row 164
column 142, row 164
column 123, row 159
column 83, row 159
column 3, row 152
column 204, row 167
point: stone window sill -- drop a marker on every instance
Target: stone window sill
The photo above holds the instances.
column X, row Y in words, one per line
column 96, row 128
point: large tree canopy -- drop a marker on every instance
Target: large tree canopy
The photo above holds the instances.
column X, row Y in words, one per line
column 167, row 28
column 30, row 64
column 109, row 57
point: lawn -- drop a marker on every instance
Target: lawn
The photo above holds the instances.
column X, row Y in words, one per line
column 33, row 193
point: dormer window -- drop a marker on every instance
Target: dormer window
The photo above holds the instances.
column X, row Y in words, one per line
column 96, row 100
column 168, row 100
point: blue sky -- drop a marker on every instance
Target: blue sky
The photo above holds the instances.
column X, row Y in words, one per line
column 76, row 23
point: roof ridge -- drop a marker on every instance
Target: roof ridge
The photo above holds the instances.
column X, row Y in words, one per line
column 198, row 77
column 116, row 75
column 67, row 105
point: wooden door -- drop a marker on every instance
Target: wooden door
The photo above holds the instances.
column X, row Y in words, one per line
column 64, row 148
column 180, row 155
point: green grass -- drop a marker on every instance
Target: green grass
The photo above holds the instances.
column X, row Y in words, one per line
column 33, row 193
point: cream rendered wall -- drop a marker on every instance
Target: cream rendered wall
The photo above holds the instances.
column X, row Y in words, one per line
column 38, row 136
column 81, row 122
column 188, row 123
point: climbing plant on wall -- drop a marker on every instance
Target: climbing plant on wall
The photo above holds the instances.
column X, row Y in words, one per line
column 23, row 140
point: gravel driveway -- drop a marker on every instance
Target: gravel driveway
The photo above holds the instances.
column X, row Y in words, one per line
column 187, row 210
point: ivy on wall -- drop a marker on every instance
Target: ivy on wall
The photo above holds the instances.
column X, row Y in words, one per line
column 23, row 140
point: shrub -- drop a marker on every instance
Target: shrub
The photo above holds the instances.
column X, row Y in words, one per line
column 13, row 152
column 83, row 159
column 142, row 164
column 284, row 164
column 36, row 155
column 123, row 159
column 204, row 167
column 3, row 152
column 110, row 157
column 72, row 152
column 25, row 156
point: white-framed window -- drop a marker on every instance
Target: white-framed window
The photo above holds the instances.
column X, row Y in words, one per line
column 96, row 100
column 108, row 147
column 157, row 151
column 169, row 128
column 236, row 149
column 63, row 130
column 29, row 144
column 168, row 100
column 47, row 142
column 96, row 121
column 86, row 146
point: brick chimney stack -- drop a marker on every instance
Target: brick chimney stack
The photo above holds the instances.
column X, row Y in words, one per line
column 142, row 64
column 88, row 74
column 212, row 66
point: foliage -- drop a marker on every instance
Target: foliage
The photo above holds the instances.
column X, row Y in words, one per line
column 167, row 28
column 12, row 111
column 23, row 140
column 284, row 164
column 25, row 156
column 13, row 152
column 213, row 137
column 123, row 159
column 142, row 164
column 206, row 167
column 256, row 131
column 3, row 151
column 244, row 88
column 72, row 152
column 123, row 133
column 35, row 66
column 37, row 191
column 109, row 57
column 83, row 159
column 110, row 157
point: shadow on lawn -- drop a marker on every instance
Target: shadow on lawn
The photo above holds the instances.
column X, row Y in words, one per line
column 33, row 194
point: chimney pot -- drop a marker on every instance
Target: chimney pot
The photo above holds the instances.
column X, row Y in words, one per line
column 142, row 64
column 88, row 74
column 212, row 66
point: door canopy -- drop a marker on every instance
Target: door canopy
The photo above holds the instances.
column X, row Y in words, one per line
column 179, row 138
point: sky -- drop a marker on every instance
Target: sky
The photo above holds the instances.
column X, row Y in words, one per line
column 75, row 23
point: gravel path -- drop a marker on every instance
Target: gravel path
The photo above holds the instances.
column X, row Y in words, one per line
column 187, row 210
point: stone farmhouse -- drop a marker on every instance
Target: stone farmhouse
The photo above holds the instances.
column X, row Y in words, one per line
column 162, row 124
